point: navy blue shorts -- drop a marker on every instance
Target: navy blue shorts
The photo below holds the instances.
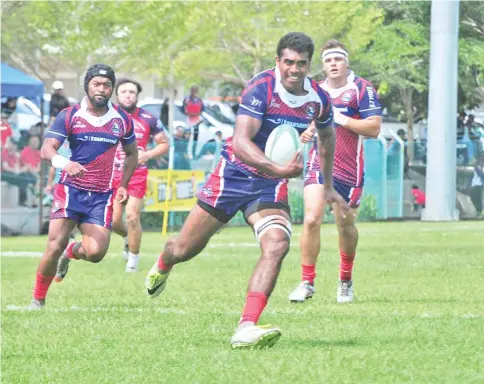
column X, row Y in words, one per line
column 351, row 194
column 82, row 206
column 230, row 189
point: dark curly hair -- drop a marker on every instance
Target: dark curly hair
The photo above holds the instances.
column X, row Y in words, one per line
column 296, row 41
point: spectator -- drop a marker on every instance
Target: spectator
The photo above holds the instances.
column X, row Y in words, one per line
column 30, row 160
column 477, row 185
column 6, row 130
column 9, row 107
column 193, row 107
column 472, row 126
column 13, row 172
column 58, row 101
column 395, row 146
column 164, row 114
column 210, row 147
column 180, row 141
column 419, row 198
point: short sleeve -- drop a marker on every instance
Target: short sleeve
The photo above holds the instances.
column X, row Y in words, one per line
column 58, row 129
column 325, row 118
column 254, row 98
column 369, row 103
column 129, row 136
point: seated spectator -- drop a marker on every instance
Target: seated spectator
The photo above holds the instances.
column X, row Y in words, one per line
column 14, row 173
column 210, row 146
column 30, row 156
column 30, row 159
column 419, row 198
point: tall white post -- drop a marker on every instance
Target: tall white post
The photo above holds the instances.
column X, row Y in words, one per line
column 442, row 118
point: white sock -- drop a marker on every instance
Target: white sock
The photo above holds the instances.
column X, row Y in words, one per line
column 132, row 260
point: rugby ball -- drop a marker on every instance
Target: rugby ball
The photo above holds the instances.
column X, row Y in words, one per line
column 282, row 144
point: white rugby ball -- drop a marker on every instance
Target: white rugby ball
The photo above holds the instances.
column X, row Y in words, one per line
column 282, row 144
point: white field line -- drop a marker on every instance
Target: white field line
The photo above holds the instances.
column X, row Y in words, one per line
column 163, row 311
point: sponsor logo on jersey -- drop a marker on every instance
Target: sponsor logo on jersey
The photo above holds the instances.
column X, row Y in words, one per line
column 371, row 97
column 346, row 97
column 274, row 104
column 207, row 191
column 255, row 102
column 310, row 112
column 115, row 128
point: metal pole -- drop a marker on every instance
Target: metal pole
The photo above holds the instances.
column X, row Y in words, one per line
column 441, row 150
column 42, row 167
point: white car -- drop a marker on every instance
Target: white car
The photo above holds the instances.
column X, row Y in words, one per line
column 27, row 113
column 208, row 127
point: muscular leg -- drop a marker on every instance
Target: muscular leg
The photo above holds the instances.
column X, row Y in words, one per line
column 310, row 241
column 118, row 225
column 94, row 243
column 197, row 230
column 348, row 240
column 133, row 217
column 274, row 245
column 347, row 236
column 58, row 237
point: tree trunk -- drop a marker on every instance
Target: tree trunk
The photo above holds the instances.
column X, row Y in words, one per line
column 407, row 101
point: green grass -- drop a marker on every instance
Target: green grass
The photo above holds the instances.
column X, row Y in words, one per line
column 419, row 315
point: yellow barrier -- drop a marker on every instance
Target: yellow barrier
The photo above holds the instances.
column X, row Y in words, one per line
column 172, row 191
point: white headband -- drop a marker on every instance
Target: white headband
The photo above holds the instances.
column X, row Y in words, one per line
column 334, row 52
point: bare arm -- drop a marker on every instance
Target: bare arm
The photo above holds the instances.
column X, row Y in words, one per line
column 246, row 128
column 49, row 149
column 161, row 148
column 50, row 178
column 130, row 162
column 327, row 143
column 367, row 127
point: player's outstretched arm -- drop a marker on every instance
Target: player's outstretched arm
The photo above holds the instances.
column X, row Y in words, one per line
column 246, row 128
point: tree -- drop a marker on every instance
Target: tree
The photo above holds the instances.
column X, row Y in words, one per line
column 398, row 57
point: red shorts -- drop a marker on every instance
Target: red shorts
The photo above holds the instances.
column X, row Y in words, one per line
column 137, row 185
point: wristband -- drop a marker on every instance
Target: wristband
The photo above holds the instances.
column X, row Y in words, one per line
column 59, row 161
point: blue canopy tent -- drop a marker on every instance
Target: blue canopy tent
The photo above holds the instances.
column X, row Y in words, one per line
column 16, row 83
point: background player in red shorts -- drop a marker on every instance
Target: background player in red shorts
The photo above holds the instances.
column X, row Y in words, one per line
column 246, row 180
column 146, row 126
column 84, row 195
column 357, row 113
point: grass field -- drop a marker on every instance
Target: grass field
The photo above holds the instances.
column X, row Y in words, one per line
column 419, row 315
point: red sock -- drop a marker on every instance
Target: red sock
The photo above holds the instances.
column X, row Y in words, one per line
column 42, row 284
column 162, row 265
column 346, row 265
column 255, row 303
column 69, row 251
column 309, row 273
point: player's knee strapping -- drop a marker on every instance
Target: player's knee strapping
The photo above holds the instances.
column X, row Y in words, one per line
column 272, row 222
